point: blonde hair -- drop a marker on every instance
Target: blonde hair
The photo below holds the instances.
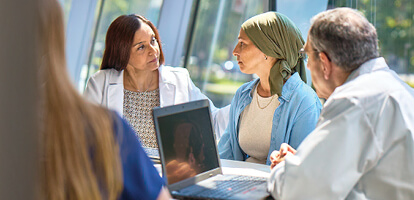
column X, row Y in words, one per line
column 80, row 157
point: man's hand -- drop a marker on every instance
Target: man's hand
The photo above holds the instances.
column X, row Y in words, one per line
column 278, row 156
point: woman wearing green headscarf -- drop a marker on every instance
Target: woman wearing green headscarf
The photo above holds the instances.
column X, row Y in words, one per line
column 278, row 107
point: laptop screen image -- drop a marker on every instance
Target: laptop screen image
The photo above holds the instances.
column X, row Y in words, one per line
column 188, row 143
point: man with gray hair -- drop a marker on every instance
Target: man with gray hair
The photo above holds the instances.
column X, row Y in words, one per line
column 362, row 146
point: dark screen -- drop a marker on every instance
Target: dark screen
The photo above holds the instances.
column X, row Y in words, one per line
column 188, row 144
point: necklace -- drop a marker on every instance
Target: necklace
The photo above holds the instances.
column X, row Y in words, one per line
column 149, row 86
column 257, row 99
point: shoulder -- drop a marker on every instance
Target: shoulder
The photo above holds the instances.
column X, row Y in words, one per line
column 305, row 95
column 119, row 124
column 141, row 179
column 106, row 73
column 246, row 88
column 108, row 76
column 174, row 70
column 379, row 86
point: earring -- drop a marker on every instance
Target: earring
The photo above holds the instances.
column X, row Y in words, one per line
column 265, row 57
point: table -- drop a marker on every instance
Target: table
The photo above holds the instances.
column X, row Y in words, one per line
column 244, row 168
column 238, row 168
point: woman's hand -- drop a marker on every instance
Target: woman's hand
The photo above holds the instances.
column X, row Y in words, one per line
column 278, row 156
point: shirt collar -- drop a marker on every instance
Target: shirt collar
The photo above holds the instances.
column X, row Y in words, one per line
column 290, row 86
column 250, row 87
column 166, row 76
column 287, row 89
column 372, row 65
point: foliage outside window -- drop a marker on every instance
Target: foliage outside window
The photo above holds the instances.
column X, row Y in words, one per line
column 394, row 23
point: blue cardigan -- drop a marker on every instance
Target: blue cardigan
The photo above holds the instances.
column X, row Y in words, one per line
column 293, row 119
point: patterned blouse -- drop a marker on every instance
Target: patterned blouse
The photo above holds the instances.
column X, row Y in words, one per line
column 138, row 112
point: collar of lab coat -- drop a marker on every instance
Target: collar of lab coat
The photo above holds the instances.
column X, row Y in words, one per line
column 167, row 86
column 374, row 64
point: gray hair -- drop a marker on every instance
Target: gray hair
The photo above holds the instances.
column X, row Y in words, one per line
column 346, row 36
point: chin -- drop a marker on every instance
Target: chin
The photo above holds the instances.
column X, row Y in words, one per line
column 244, row 72
column 155, row 66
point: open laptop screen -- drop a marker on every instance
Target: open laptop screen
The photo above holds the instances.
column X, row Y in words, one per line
column 187, row 143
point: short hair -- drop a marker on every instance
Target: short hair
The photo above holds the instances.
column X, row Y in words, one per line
column 119, row 38
column 346, row 36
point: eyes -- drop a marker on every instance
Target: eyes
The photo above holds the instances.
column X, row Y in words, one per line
column 153, row 40
column 142, row 47
column 240, row 45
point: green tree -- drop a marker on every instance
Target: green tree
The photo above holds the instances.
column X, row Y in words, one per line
column 394, row 23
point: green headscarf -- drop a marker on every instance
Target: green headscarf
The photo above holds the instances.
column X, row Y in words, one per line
column 277, row 36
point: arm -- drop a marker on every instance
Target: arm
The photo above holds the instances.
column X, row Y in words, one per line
column 226, row 144
column 331, row 160
column 141, row 179
column 164, row 194
column 304, row 124
column 221, row 120
column 219, row 115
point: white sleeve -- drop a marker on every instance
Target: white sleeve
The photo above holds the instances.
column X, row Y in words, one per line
column 330, row 161
column 219, row 115
column 221, row 119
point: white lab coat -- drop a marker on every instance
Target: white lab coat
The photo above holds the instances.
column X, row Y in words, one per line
column 107, row 89
column 362, row 146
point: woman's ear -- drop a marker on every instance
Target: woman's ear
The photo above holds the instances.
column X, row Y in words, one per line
column 326, row 65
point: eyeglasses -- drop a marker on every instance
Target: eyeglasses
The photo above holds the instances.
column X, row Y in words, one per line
column 303, row 55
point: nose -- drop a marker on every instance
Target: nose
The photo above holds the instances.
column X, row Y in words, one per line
column 153, row 49
column 236, row 50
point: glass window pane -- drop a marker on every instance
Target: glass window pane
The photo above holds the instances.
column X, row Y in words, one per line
column 113, row 9
column 211, row 63
column 66, row 5
column 394, row 23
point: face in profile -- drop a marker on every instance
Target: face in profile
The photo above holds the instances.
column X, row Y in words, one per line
column 145, row 50
column 315, row 67
column 249, row 57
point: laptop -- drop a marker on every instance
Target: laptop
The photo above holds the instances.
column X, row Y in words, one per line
column 189, row 157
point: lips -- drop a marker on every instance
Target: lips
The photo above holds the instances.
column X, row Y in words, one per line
column 154, row 60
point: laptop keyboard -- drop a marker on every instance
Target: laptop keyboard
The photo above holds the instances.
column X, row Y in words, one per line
column 230, row 187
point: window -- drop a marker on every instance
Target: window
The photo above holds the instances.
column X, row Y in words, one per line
column 66, row 5
column 394, row 23
column 211, row 64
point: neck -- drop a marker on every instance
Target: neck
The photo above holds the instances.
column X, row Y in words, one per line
column 263, row 89
column 137, row 80
column 339, row 79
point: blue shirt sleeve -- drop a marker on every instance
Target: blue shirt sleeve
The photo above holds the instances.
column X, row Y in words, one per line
column 141, row 179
